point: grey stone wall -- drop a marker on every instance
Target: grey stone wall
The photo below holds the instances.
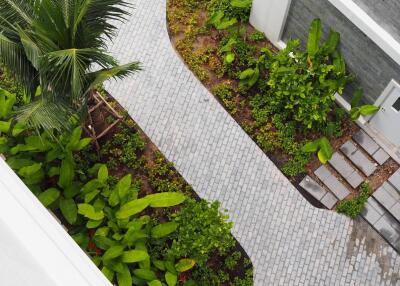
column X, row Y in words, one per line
column 385, row 12
column 372, row 66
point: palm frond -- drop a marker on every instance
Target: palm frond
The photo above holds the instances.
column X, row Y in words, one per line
column 44, row 114
column 18, row 12
column 118, row 72
column 13, row 56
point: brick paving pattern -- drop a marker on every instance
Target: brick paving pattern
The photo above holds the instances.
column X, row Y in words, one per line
column 289, row 241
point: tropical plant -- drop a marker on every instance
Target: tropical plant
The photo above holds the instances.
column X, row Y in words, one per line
column 322, row 146
column 358, row 110
column 58, row 45
column 353, row 207
column 303, row 83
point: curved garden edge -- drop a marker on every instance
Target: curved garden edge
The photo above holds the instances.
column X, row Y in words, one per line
column 199, row 46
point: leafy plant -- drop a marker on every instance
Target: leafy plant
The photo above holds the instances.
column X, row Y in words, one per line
column 303, row 83
column 44, row 43
column 202, row 230
column 322, row 147
column 353, row 207
column 220, row 21
column 358, row 110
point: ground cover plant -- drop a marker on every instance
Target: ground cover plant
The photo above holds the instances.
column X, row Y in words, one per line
column 285, row 100
column 141, row 223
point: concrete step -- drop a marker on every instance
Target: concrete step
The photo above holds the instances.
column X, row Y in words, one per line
column 332, row 183
column 346, row 170
column 371, row 147
column 389, row 198
column 319, row 192
column 383, row 222
column 358, row 158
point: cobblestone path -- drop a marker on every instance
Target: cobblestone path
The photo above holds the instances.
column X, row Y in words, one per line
column 289, row 241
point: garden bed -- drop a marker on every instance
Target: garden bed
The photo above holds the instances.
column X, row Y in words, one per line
column 206, row 48
column 182, row 241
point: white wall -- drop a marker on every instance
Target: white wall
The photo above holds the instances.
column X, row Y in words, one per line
column 34, row 249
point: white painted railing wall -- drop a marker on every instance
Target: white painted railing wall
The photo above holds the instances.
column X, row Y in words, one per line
column 34, row 249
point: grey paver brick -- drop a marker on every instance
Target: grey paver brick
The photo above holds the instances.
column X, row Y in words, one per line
column 395, row 211
column 272, row 221
column 395, row 180
column 341, row 165
column 336, row 187
column 359, row 159
column 390, row 229
column 313, row 188
column 371, row 213
column 384, row 198
column 329, row 200
column 322, row 173
column 381, row 156
column 355, row 180
column 366, row 142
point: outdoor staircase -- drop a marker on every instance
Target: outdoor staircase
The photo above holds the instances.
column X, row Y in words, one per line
column 356, row 161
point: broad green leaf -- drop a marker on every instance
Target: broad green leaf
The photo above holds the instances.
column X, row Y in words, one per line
column 81, row 239
column 164, row 200
column 228, row 46
column 355, row 113
column 366, row 110
column 4, row 126
column 159, row 264
column 355, row 100
column 225, row 23
column 102, row 231
column 164, row 229
column 123, row 186
column 18, row 163
column 170, row 266
column 229, row 58
column 124, row 277
column 69, row 210
column 91, row 186
column 241, row 3
column 314, row 37
column 246, row 73
column 18, row 129
column 49, row 196
column 102, row 175
column 67, row 173
column 74, row 139
column 171, row 279
column 7, row 101
column 132, row 208
column 338, row 63
column 332, row 42
column 93, row 224
column 325, row 153
column 311, row 147
column 185, row 264
column 91, row 196
column 216, row 17
column 103, row 242
column 30, row 170
column 108, row 273
column 82, row 144
column 145, row 274
column 132, row 256
column 89, row 212
column 154, row 283
column 113, row 252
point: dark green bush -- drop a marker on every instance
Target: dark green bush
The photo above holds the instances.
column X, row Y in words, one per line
column 352, row 208
column 202, row 230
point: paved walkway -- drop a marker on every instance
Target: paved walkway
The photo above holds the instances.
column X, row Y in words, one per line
column 289, row 241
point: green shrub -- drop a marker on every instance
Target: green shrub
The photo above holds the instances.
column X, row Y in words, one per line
column 123, row 148
column 225, row 93
column 257, row 36
column 202, row 230
column 303, row 83
column 241, row 14
column 353, row 207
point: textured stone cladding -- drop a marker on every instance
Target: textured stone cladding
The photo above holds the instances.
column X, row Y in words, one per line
column 385, row 13
column 372, row 66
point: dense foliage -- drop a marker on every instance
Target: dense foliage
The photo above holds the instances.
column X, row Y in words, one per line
column 283, row 99
column 353, row 207
column 135, row 234
column 51, row 46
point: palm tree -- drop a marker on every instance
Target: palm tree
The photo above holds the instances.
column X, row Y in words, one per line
column 54, row 46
